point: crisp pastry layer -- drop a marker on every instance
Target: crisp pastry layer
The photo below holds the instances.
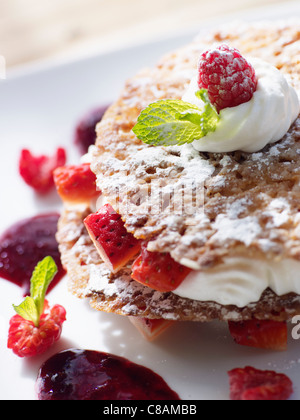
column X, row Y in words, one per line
column 250, row 201
column 89, row 278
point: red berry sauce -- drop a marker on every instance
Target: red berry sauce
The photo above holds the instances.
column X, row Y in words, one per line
column 26, row 243
column 92, row 375
column 85, row 134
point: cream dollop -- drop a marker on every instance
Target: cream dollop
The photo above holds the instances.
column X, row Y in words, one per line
column 239, row 281
column 264, row 119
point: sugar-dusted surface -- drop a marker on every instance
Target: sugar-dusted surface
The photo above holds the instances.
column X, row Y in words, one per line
column 89, row 278
column 236, row 204
column 249, row 203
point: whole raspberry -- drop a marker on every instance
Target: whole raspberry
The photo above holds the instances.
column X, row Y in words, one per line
column 250, row 384
column 37, row 171
column 36, row 326
column 229, row 79
column 25, row 339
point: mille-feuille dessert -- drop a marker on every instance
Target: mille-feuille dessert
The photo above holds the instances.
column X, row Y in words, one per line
column 197, row 169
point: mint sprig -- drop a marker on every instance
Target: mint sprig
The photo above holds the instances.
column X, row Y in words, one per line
column 32, row 307
column 176, row 122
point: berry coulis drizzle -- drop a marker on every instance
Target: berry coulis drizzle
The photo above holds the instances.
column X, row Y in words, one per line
column 93, row 375
column 73, row 374
column 25, row 244
column 85, row 133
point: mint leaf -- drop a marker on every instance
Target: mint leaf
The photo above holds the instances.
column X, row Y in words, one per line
column 27, row 310
column 175, row 122
column 32, row 307
column 210, row 113
column 42, row 276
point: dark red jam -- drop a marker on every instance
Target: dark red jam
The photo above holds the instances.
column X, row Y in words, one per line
column 26, row 243
column 85, row 134
column 92, row 375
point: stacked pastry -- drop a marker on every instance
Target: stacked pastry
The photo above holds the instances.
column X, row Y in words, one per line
column 224, row 222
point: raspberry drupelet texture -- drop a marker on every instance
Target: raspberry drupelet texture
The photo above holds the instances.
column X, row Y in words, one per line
column 250, row 384
column 26, row 339
column 228, row 77
column 37, row 171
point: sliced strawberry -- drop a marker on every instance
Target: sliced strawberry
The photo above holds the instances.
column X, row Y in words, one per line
column 150, row 328
column 265, row 334
column 37, row 171
column 158, row 270
column 253, row 384
column 115, row 245
column 76, row 183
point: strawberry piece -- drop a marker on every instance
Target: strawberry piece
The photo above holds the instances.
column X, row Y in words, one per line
column 158, row 270
column 115, row 245
column 265, row 334
column 26, row 340
column 37, row 171
column 250, row 384
column 229, row 79
column 150, row 328
column 76, row 183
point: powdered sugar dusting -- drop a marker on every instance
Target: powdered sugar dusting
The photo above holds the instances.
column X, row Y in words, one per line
column 243, row 230
column 250, row 202
column 120, row 294
column 280, row 211
column 236, row 190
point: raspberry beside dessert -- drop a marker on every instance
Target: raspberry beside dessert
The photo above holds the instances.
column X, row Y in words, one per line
column 250, row 384
column 27, row 340
column 37, row 171
column 229, row 79
column 36, row 326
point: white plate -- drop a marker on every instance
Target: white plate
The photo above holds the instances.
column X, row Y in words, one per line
column 38, row 109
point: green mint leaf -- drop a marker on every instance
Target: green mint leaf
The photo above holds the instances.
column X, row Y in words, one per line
column 32, row 307
column 175, row 122
column 42, row 276
column 211, row 114
column 28, row 310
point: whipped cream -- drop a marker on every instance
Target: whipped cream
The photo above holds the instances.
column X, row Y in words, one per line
column 241, row 281
column 249, row 127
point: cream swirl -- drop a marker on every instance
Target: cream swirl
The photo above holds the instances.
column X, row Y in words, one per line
column 249, row 127
column 239, row 281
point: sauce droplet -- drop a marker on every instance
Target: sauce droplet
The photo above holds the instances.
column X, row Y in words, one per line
column 92, row 375
column 26, row 243
column 85, row 132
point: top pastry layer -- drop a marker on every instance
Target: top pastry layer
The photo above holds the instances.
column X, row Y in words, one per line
column 202, row 207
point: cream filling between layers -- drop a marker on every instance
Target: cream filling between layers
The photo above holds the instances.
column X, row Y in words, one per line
column 241, row 281
column 238, row 281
